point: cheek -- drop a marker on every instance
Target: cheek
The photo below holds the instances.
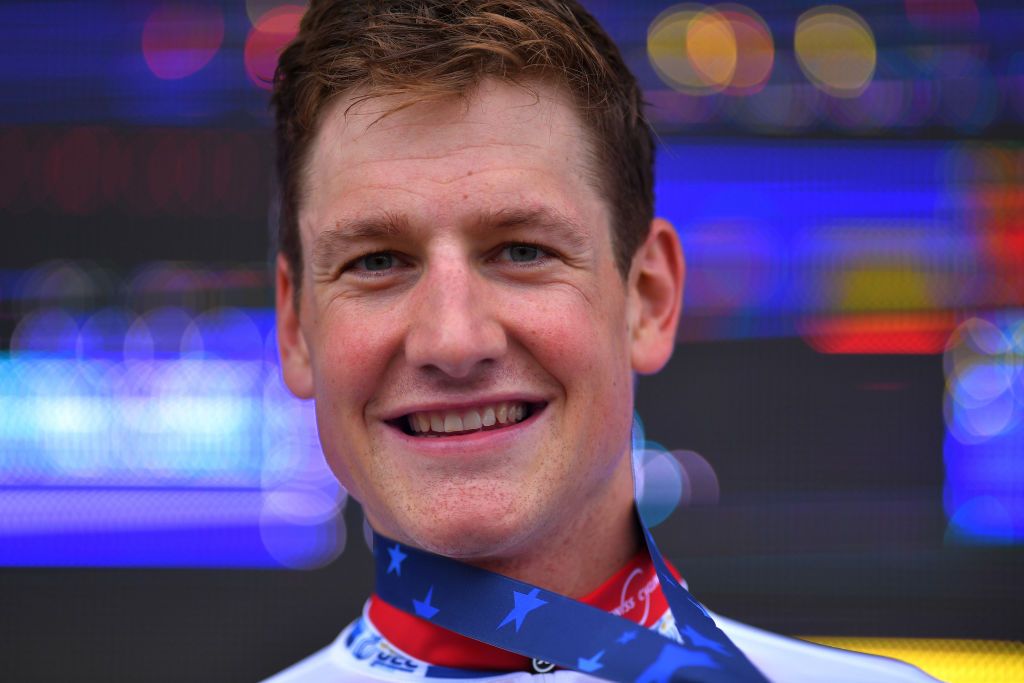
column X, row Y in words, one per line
column 577, row 339
column 351, row 356
column 352, row 353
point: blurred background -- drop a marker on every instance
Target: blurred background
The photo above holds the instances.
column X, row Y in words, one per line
column 841, row 429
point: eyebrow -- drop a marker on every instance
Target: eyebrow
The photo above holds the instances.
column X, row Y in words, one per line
column 544, row 218
column 334, row 241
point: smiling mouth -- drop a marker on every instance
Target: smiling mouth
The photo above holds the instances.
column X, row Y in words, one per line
column 442, row 423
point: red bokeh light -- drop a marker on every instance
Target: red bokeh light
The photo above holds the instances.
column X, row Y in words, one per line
column 1003, row 242
column 179, row 40
column 880, row 333
column 268, row 37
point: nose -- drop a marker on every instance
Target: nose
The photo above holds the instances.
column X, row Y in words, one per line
column 453, row 327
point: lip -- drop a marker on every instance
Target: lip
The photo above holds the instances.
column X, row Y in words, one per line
column 439, row 406
column 472, row 445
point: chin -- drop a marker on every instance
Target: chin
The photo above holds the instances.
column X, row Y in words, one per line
column 475, row 530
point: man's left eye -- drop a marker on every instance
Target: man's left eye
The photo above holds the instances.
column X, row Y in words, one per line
column 377, row 262
column 523, row 253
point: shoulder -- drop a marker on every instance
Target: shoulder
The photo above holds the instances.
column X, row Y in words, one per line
column 789, row 660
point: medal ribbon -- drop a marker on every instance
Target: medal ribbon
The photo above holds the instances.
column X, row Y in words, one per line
column 522, row 618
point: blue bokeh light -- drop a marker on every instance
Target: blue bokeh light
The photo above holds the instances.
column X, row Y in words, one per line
column 984, row 444
column 164, row 439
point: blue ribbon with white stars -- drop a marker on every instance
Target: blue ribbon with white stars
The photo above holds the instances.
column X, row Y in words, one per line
column 527, row 620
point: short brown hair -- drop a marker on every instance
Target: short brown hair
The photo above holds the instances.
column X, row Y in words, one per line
column 430, row 49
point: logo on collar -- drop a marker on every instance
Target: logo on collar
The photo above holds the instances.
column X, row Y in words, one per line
column 370, row 647
column 639, row 595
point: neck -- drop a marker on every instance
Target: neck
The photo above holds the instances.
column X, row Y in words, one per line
column 578, row 555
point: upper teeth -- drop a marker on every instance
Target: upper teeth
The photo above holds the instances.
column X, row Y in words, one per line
column 468, row 420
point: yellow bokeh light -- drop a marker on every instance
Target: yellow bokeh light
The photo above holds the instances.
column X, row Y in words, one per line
column 692, row 48
column 666, row 48
column 711, row 47
column 836, row 50
column 701, row 50
column 877, row 287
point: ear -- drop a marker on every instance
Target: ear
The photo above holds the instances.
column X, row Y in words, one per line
column 655, row 297
column 291, row 343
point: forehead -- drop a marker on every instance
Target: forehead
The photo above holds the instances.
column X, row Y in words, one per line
column 500, row 147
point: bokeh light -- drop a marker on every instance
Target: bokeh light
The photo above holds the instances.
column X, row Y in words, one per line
column 297, row 545
column 133, row 409
column 981, row 365
column 692, row 48
column 878, row 333
column 836, row 50
column 982, row 519
column 700, row 482
column 103, row 334
column 667, row 480
column 156, row 334
column 984, row 491
column 755, row 49
column 268, row 37
column 180, row 39
column 659, row 484
column 46, row 331
column 257, row 9
column 702, row 50
column 712, row 48
column 225, row 333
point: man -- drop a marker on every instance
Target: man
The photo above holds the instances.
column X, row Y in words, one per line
column 470, row 275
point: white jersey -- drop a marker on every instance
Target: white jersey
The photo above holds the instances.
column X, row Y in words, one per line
column 361, row 654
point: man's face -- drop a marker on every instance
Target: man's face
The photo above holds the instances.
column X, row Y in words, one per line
column 462, row 325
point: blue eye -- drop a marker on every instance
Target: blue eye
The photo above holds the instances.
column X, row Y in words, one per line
column 377, row 262
column 523, row 253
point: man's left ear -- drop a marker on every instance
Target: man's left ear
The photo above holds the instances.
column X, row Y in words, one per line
column 655, row 297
